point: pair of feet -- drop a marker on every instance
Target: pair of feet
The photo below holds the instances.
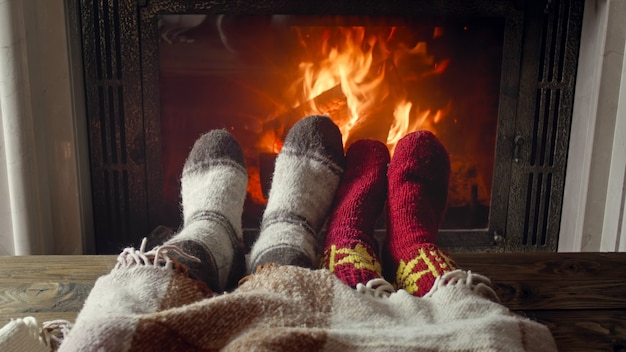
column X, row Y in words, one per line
column 414, row 185
column 312, row 179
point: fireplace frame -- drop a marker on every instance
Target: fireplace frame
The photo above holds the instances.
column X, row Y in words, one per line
column 120, row 54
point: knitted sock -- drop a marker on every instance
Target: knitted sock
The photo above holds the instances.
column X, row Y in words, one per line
column 418, row 188
column 306, row 176
column 350, row 250
column 213, row 190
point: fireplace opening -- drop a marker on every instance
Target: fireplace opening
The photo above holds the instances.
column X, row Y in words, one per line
column 494, row 80
column 376, row 77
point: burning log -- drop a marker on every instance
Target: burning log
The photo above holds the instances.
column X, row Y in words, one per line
column 373, row 123
column 330, row 102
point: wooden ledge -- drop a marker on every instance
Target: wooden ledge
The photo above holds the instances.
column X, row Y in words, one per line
column 581, row 297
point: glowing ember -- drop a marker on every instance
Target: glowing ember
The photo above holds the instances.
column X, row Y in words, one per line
column 269, row 142
column 254, row 186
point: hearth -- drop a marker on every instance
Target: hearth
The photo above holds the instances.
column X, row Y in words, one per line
column 493, row 79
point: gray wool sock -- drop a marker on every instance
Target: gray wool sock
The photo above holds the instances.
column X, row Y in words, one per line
column 213, row 190
column 306, row 176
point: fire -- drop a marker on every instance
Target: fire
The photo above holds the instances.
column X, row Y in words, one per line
column 270, row 142
column 405, row 122
column 254, row 185
column 358, row 77
column 365, row 64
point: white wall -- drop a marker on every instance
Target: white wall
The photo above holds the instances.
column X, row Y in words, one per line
column 43, row 159
column 594, row 185
column 6, row 226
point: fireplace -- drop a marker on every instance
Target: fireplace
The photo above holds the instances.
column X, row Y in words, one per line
column 494, row 80
column 375, row 77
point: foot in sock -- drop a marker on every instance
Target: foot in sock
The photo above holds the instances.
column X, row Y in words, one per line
column 350, row 250
column 418, row 186
column 306, row 175
column 213, row 190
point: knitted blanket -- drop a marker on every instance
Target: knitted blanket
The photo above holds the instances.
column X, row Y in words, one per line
column 147, row 304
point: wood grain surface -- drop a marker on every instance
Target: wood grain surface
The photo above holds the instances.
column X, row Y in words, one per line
column 48, row 287
column 581, row 297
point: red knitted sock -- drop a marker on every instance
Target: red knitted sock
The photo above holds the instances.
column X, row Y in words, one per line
column 350, row 251
column 418, row 188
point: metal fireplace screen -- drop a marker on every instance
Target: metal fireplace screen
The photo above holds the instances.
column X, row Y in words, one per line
column 492, row 79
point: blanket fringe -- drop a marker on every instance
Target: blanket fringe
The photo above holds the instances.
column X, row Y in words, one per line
column 54, row 332
column 159, row 257
column 379, row 288
column 31, row 324
column 477, row 283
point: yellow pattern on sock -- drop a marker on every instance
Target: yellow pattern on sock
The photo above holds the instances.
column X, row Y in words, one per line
column 436, row 264
column 358, row 257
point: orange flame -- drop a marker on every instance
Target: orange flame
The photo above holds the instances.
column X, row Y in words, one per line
column 365, row 68
column 361, row 62
column 254, row 186
column 269, row 142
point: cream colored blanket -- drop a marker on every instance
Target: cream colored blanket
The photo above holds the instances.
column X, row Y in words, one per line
column 142, row 306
